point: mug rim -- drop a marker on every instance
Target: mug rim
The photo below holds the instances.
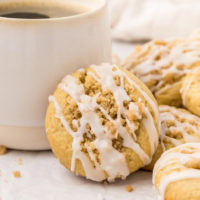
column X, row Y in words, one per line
column 54, row 19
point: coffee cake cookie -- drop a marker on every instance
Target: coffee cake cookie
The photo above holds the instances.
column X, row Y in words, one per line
column 178, row 126
column 103, row 123
column 161, row 65
column 176, row 174
column 190, row 92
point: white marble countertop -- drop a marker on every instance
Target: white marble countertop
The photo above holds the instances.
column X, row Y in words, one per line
column 43, row 178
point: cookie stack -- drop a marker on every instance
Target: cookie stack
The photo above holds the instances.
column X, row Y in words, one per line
column 105, row 122
column 171, row 70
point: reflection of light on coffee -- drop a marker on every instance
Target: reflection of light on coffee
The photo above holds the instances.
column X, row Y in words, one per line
column 40, row 9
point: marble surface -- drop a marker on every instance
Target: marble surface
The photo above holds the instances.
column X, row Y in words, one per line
column 43, row 178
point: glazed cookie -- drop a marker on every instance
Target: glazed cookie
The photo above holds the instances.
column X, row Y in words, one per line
column 161, row 65
column 190, row 92
column 103, row 123
column 176, row 175
column 178, row 126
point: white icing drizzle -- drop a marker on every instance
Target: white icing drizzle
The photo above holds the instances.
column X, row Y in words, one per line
column 91, row 172
column 111, row 160
column 164, row 60
column 135, row 109
column 184, row 91
column 168, row 113
column 176, row 160
column 188, row 83
column 120, row 96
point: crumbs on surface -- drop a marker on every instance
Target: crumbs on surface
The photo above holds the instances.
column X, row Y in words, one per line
column 20, row 161
column 3, row 150
column 129, row 188
column 17, row 174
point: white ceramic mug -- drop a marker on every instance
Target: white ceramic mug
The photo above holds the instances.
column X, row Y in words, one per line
column 35, row 54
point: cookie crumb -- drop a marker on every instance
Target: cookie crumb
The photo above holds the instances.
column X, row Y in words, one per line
column 3, row 150
column 17, row 174
column 129, row 188
column 20, row 161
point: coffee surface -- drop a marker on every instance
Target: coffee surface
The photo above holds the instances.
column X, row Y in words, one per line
column 39, row 9
column 25, row 15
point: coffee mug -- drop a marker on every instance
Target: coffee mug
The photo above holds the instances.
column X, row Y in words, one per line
column 35, row 54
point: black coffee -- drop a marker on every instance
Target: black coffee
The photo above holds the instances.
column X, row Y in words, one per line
column 40, row 9
column 25, row 15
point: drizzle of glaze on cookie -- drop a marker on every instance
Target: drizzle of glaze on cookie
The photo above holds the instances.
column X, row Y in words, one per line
column 184, row 90
column 182, row 121
column 161, row 64
column 112, row 161
column 175, row 162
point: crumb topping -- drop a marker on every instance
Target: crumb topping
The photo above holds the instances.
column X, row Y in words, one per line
column 17, row 174
column 129, row 188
